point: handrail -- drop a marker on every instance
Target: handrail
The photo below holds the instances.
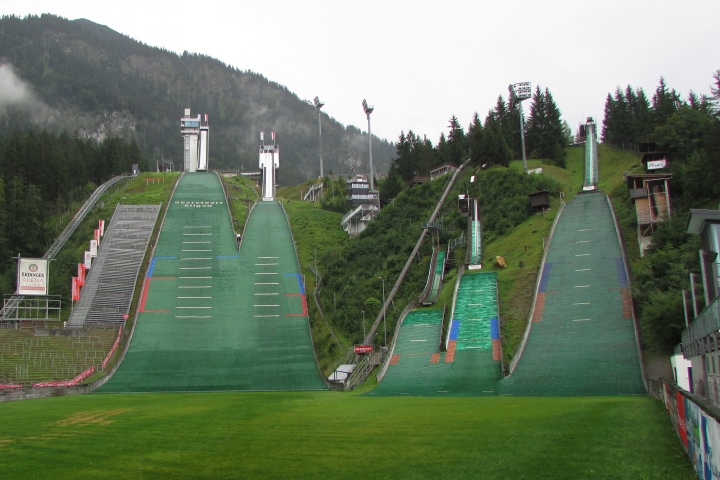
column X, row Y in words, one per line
column 401, row 277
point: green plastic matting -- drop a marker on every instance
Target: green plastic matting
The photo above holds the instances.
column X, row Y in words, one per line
column 584, row 342
column 215, row 318
column 467, row 368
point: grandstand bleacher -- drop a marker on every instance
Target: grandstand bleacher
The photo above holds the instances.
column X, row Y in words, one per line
column 105, row 299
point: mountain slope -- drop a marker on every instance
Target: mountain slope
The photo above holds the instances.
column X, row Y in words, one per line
column 95, row 81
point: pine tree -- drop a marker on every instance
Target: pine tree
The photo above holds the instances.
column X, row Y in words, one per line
column 456, row 142
column 664, row 103
column 475, row 140
column 608, row 127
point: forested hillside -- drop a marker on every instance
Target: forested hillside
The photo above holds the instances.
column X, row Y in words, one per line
column 87, row 79
column 688, row 131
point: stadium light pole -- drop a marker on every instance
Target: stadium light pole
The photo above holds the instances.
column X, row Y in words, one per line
column 318, row 106
column 368, row 110
column 519, row 92
column 384, row 322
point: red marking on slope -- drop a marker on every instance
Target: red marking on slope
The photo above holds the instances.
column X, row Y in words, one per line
column 435, row 358
column 626, row 296
column 450, row 354
column 143, row 296
column 539, row 305
column 496, row 351
column 304, row 305
column 394, row 359
column 146, row 288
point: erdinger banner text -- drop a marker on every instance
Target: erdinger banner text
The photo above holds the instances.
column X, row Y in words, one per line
column 32, row 276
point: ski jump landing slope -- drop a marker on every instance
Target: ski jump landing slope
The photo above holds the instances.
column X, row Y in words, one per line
column 215, row 318
column 582, row 336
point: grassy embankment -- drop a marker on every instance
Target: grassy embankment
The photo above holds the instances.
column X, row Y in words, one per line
column 335, row 435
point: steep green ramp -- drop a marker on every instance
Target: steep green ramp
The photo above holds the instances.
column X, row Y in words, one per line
column 215, row 318
column 584, row 342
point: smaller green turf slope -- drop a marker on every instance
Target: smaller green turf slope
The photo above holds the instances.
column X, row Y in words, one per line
column 418, row 368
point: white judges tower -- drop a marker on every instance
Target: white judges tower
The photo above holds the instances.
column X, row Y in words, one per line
column 269, row 163
column 195, row 132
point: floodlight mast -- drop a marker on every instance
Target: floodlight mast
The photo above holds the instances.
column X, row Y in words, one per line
column 519, row 92
column 318, row 106
column 368, row 110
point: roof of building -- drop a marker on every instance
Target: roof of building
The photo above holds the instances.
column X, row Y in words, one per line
column 699, row 217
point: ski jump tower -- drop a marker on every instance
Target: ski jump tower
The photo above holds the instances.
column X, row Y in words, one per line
column 269, row 163
column 195, row 132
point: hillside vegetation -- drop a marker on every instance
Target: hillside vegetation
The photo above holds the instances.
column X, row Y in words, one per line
column 352, row 268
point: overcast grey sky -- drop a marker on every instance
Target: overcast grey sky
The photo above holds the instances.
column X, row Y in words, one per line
column 420, row 62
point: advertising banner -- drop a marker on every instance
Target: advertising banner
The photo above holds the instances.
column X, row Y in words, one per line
column 87, row 260
column 93, row 247
column 75, row 289
column 32, row 276
column 101, row 227
column 698, row 430
column 97, row 235
column 81, row 274
column 363, row 349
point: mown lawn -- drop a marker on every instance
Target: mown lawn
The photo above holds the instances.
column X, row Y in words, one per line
column 338, row 435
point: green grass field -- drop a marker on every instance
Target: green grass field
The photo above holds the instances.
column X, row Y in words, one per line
column 335, row 435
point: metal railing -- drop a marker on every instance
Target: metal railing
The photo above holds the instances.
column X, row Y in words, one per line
column 12, row 304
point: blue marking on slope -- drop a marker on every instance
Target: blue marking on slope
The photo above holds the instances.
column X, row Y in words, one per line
column 622, row 275
column 299, row 279
column 227, row 256
column 454, row 329
column 545, row 278
column 494, row 329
